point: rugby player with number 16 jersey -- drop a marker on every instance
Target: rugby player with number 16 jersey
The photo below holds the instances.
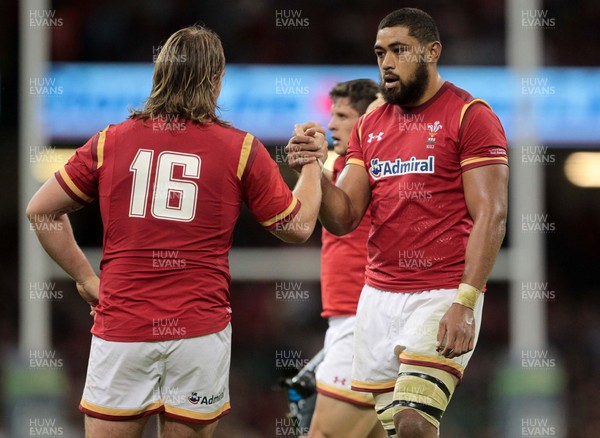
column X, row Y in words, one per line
column 170, row 182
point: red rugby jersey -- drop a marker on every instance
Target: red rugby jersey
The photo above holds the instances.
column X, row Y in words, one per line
column 169, row 200
column 415, row 159
column 343, row 260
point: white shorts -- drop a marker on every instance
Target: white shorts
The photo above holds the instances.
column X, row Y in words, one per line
column 187, row 379
column 334, row 374
column 393, row 328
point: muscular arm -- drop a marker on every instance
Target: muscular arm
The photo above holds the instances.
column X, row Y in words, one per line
column 47, row 213
column 343, row 206
column 486, row 194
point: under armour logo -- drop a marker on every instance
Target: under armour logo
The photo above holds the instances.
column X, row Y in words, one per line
column 373, row 136
column 336, row 379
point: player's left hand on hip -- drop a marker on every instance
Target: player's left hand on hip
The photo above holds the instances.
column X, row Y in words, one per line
column 456, row 333
column 89, row 291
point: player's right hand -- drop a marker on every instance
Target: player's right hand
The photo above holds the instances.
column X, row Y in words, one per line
column 301, row 128
column 456, row 332
column 89, row 291
column 307, row 147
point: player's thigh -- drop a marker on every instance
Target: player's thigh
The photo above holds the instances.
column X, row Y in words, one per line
column 170, row 428
column 121, row 380
column 97, row 428
column 417, row 341
column 195, row 388
column 337, row 419
column 426, row 390
column 426, row 381
column 377, row 326
column 334, row 374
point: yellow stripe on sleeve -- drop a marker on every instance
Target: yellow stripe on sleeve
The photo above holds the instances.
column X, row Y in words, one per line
column 356, row 161
column 73, row 187
column 100, row 148
column 246, row 147
column 466, row 107
column 480, row 159
column 281, row 215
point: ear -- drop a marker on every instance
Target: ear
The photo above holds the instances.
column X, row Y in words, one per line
column 434, row 52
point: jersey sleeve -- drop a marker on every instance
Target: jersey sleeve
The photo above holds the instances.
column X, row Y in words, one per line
column 266, row 194
column 482, row 138
column 355, row 152
column 79, row 177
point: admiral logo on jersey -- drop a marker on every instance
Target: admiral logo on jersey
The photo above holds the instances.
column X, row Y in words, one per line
column 383, row 169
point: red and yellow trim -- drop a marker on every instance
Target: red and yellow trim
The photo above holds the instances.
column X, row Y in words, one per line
column 118, row 414
column 474, row 160
column 359, row 386
column 244, row 155
column 67, row 183
column 345, row 395
column 197, row 417
column 356, row 161
column 285, row 213
column 97, row 149
column 439, row 363
column 100, row 147
column 467, row 106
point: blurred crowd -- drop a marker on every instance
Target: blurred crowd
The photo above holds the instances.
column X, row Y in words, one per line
column 333, row 31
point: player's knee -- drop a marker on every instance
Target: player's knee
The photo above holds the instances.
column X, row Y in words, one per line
column 411, row 424
column 384, row 407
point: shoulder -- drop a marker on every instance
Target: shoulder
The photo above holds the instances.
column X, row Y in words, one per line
column 230, row 135
column 467, row 106
column 379, row 115
column 382, row 111
column 458, row 94
column 230, row 131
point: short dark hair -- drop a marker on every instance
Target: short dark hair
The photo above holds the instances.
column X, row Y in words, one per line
column 419, row 23
column 360, row 92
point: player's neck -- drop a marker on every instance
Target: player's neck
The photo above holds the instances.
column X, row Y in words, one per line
column 433, row 87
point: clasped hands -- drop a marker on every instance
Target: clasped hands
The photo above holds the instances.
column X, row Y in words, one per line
column 307, row 145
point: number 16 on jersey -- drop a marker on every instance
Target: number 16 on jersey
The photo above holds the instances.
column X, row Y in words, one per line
column 172, row 198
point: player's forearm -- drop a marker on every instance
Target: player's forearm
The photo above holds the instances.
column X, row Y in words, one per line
column 483, row 246
column 336, row 213
column 56, row 236
column 308, row 192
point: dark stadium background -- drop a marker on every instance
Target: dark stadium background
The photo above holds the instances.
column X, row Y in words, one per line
column 341, row 32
